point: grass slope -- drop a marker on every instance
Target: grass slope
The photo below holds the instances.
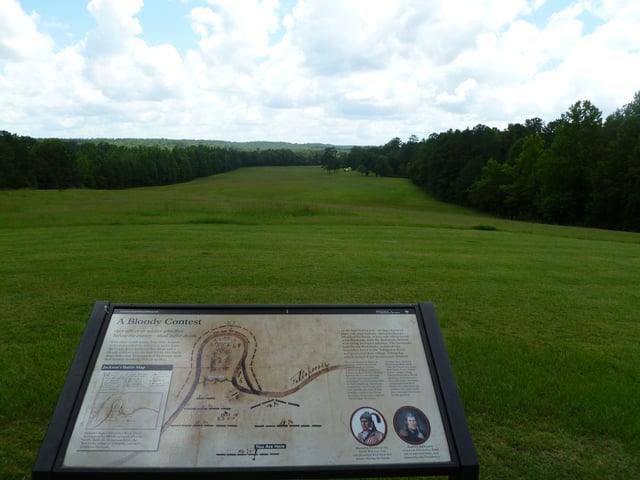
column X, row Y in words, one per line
column 541, row 322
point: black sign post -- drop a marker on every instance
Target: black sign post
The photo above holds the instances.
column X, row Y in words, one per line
column 283, row 391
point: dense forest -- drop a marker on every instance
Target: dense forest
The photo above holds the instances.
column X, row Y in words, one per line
column 26, row 162
column 575, row 170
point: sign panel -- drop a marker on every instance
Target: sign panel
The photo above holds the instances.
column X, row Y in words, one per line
column 226, row 389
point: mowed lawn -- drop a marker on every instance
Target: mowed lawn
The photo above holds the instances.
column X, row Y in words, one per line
column 542, row 323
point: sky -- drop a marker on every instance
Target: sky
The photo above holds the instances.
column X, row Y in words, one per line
column 343, row 72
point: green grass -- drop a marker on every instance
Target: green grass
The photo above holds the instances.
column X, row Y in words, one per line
column 541, row 322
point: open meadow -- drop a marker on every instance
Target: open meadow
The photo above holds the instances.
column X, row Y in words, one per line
column 541, row 323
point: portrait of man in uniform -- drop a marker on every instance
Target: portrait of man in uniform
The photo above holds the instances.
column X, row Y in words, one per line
column 411, row 425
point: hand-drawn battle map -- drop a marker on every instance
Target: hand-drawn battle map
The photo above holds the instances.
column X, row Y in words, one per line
column 235, row 390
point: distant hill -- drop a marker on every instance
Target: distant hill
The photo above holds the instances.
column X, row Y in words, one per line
column 250, row 146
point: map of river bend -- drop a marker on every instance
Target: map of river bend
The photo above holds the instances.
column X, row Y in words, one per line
column 232, row 390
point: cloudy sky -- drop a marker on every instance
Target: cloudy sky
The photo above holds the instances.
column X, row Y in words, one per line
column 332, row 71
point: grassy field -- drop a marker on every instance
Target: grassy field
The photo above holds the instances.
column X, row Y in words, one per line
column 541, row 322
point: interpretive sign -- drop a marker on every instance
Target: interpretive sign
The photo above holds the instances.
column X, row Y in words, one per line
column 287, row 391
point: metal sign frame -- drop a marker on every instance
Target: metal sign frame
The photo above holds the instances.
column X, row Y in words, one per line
column 103, row 428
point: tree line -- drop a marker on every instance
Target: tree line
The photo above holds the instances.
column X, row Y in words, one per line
column 26, row 162
column 575, row 170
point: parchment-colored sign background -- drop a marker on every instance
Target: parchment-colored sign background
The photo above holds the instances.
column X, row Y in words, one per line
column 259, row 390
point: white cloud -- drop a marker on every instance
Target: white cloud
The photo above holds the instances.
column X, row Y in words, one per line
column 116, row 25
column 120, row 63
column 235, row 33
column 461, row 93
column 343, row 71
column 20, row 39
column 338, row 37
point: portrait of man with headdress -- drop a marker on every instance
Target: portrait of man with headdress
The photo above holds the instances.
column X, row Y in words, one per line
column 370, row 434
